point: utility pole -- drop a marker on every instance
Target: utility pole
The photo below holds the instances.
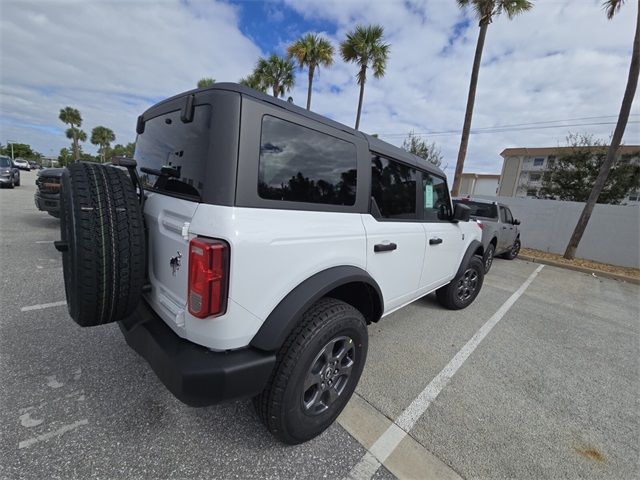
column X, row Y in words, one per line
column 12, row 142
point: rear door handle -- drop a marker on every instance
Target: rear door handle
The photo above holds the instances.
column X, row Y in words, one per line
column 435, row 241
column 384, row 247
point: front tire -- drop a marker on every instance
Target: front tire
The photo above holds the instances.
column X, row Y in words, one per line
column 316, row 372
column 464, row 288
column 488, row 257
column 515, row 250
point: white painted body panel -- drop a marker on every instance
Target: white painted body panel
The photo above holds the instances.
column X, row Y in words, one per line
column 273, row 251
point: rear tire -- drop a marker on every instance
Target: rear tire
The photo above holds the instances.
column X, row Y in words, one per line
column 103, row 243
column 464, row 288
column 317, row 370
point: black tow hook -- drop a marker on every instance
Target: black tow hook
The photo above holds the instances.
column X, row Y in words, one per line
column 61, row 246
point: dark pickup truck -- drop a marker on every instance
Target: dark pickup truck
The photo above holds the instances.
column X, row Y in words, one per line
column 47, row 196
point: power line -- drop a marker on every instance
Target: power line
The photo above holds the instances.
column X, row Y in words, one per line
column 511, row 127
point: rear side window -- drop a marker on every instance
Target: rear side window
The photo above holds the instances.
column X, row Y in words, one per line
column 480, row 209
column 437, row 205
column 393, row 189
column 298, row 164
column 183, row 147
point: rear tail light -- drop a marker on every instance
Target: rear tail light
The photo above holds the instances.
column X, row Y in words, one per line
column 208, row 277
column 480, row 224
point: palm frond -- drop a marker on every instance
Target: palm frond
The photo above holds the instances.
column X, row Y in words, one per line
column 612, row 7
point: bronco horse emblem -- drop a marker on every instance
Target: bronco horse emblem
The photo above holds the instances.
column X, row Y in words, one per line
column 174, row 263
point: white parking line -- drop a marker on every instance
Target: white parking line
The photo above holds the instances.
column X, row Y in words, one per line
column 398, row 430
column 49, row 435
column 43, row 306
column 45, row 241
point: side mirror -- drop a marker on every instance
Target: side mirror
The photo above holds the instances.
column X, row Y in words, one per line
column 461, row 213
column 516, row 222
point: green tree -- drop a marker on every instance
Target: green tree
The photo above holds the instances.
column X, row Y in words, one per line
column 71, row 116
column 276, row 73
column 20, row 150
column 311, row 51
column 485, row 11
column 364, row 46
column 573, row 173
column 65, row 157
column 429, row 151
column 206, row 82
column 254, row 81
column 102, row 136
column 124, row 150
column 611, row 7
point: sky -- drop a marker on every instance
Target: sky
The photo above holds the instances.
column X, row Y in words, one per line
column 560, row 64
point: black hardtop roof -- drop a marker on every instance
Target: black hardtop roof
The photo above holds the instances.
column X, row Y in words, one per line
column 375, row 144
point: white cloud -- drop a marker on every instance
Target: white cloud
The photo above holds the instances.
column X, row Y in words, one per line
column 112, row 60
column 560, row 60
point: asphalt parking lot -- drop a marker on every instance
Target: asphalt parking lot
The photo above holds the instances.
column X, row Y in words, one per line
column 539, row 378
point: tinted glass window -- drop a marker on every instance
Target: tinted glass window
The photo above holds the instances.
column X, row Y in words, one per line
column 479, row 209
column 437, row 205
column 393, row 187
column 503, row 214
column 537, row 162
column 508, row 215
column 299, row 164
column 179, row 147
column 5, row 162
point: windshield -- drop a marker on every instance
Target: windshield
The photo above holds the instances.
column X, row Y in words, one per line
column 5, row 162
column 479, row 209
column 181, row 148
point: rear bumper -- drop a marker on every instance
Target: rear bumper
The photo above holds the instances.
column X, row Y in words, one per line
column 194, row 374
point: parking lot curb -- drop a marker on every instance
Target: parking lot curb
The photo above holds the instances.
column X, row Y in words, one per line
column 577, row 268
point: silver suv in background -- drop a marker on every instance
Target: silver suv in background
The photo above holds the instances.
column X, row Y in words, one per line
column 500, row 233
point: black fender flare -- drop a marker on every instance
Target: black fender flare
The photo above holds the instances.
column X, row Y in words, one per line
column 284, row 317
column 471, row 251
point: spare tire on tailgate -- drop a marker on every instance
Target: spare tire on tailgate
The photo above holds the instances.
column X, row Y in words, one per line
column 102, row 244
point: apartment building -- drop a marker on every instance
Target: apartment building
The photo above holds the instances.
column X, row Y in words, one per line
column 523, row 168
column 479, row 183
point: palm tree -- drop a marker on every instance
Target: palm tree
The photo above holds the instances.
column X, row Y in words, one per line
column 78, row 136
column 71, row 116
column 206, row 82
column 311, row 51
column 276, row 73
column 102, row 136
column 254, row 81
column 364, row 46
column 611, row 7
column 485, row 11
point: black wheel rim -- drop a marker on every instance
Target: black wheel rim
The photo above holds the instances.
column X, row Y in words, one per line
column 328, row 375
column 489, row 260
column 467, row 284
column 516, row 248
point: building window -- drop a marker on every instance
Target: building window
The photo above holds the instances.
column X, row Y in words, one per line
column 551, row 160
column 535, row 177
column 298, row 164
column 538, row 161
column 532, row 192
column 393, row 188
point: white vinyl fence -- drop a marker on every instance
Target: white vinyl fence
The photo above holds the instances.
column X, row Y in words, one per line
column 612, row 236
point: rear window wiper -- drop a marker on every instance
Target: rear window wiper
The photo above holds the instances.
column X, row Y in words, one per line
column 168, row 171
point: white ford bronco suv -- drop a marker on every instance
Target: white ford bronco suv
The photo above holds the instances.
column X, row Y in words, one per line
column 249, row 244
